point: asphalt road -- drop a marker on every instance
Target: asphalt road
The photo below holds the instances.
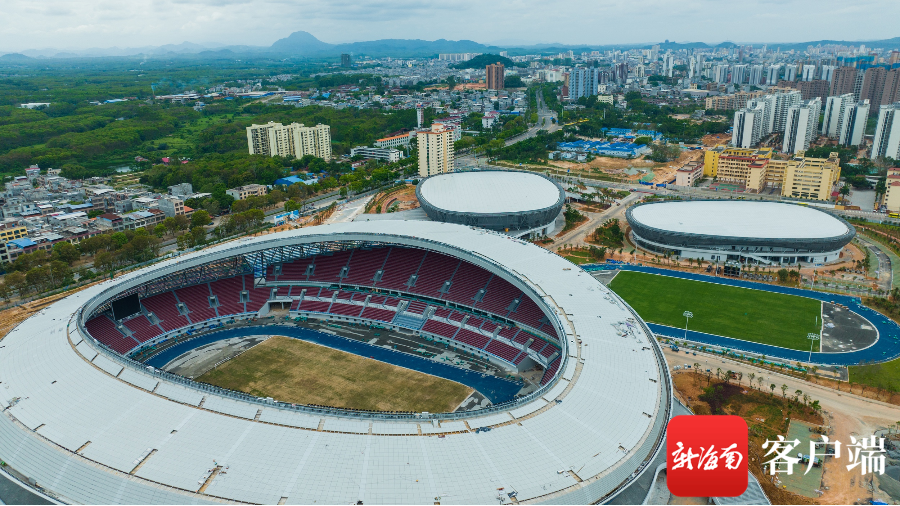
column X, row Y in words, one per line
column 576, row 237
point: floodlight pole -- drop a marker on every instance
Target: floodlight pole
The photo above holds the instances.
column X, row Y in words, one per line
column 687, row 317
column 812, row 339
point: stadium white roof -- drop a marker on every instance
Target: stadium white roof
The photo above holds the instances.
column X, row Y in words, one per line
column 90, row 431
column 490, row 192
column 747, row 219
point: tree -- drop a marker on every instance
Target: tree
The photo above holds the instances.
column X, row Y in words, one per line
column 198, row 236
column 200, row 218
column 844, row 191
column 16, row 281
column 182, row 222
column 65, row 252
column 171, row 225
column 159, row 230
column 797, row 394
column 784, row 390
column 760, row 380
column 751, row 376
column 772, row 388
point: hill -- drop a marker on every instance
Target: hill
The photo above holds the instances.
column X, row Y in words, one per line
column 482, row 60
column 15, row 57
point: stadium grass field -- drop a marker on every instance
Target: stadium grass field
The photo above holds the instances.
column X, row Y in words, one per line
column 291, row 370
column 740, row 313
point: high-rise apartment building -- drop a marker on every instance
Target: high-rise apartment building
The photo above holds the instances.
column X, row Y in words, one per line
column 873, row 85
column 853, row 123
column 756, row 75
column 739, row 73
column 294, row 140
column 773, row 74
column 654, row 52
column 436, row 152
column 802, row 126
column 828, row 72
column 790, row 72
column 721, row 74
column 345, row 60
column 834, row 114
column 887, row 133
column 843, row 81
column 669, row 64
column 494, row 76
column 808, row 73
column 891, row 93
column 583, row 82
column 747, row 128
column 783, row 103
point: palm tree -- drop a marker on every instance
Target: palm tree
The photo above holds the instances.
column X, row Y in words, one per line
column 783, row 390
column 772, row 388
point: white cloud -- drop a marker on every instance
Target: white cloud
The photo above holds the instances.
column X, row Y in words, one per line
column 77, row 24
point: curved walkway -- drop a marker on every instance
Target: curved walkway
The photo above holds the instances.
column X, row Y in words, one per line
column 886, row 348
column 498, row 390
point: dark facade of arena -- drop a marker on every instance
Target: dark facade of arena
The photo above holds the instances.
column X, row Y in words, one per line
column 508, row 221
column 681, row 240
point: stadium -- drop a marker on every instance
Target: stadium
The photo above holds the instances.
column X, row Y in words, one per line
column 89, row 419
column 518, row 203
column 754, row 232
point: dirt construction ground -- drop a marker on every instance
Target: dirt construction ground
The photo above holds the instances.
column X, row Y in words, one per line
column 847, row 415
column 616, row 166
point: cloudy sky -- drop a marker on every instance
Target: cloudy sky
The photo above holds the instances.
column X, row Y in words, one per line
column 79, row 24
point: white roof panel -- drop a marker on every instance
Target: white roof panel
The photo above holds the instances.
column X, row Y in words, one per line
column 746, row 219
column 490, row 192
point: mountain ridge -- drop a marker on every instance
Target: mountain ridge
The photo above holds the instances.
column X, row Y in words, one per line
column 304, row 44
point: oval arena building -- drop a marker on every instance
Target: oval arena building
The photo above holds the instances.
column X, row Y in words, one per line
column 742, row 231
column 90, row 419
column 517, row 203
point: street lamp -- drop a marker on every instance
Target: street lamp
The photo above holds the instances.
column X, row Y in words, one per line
column 687, row 317
column 812, row 339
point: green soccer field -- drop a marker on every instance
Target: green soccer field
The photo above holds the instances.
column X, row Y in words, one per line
column 740, row 313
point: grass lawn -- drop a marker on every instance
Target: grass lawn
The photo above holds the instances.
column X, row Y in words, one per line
column 740, row 313
column 291, row 370
column 885, row 376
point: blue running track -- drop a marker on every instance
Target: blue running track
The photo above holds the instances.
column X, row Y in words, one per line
column 497, row 390
column 886, row 348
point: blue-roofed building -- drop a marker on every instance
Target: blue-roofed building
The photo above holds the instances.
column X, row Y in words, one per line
column 289, row 180
column 21, row 243
column 616, row 149
column 629, row 133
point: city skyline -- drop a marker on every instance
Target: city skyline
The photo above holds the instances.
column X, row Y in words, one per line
column 80, row 25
